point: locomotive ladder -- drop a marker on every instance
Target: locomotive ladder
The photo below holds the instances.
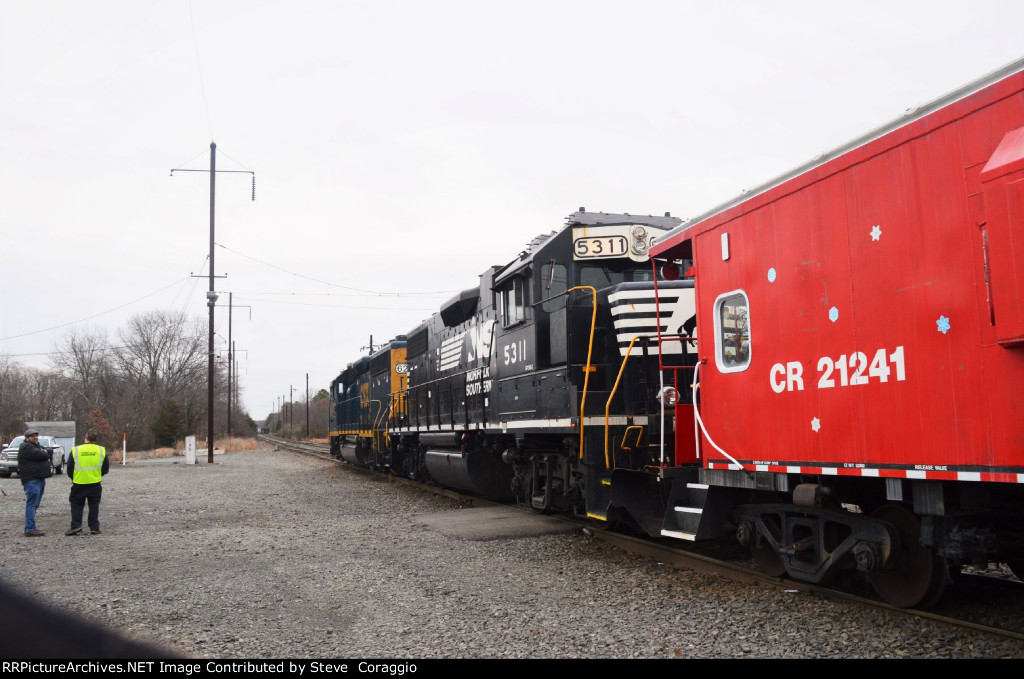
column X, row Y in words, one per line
column 687, row 501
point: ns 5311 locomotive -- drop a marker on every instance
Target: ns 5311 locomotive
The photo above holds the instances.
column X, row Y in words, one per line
column 536, row 383
column 858, row 381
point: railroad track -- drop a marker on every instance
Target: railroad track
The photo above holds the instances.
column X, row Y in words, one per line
column 973, row 597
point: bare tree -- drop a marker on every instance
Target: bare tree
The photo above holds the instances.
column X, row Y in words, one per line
column 162, row 355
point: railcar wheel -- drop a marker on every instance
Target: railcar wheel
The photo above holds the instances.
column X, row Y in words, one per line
column 768, row 560
column 918, row 576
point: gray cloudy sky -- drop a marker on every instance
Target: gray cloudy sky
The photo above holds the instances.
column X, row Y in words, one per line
column 403, row 147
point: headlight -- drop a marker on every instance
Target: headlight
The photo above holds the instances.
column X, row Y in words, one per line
column 640, row 248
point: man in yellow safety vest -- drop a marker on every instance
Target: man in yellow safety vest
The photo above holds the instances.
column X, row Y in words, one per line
column 86, row 466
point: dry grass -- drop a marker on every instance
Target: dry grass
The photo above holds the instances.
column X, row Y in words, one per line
column 115, row 455
column 234, row 444
column 237, row 445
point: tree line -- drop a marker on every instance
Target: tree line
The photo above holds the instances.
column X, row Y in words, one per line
column 290, row 421
column 148, row 382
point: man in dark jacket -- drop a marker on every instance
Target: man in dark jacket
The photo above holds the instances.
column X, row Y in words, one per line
column 33, row 468
column 87, row 464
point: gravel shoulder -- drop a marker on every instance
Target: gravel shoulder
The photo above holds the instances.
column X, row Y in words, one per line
column 270, row 554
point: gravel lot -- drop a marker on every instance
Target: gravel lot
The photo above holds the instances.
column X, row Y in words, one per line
column 269, row 554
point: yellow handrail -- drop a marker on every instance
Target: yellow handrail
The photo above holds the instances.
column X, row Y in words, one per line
column 590, row 349
column 381, row 413
column 608, row 405
column 639, row 435
column 387, row 420
column 373, row 425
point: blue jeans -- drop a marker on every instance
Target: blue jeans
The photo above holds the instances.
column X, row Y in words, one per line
column 33, row 496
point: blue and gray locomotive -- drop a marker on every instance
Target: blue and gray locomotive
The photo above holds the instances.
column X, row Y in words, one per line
column 540, row 381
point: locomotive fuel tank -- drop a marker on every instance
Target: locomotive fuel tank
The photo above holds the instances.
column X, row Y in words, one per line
column 478, row 471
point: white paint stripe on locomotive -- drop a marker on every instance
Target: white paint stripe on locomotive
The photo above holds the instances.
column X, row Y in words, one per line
column 970, row 476
column 1020, row 478
column 670, row 347
column 868, row 472
column 916, row 474
column 670, row 295
column 636, row 308
column 792, row 470
column 650, row 323
column 761, row 467
column 632, row 294
column 566, row 422
column 451, row 352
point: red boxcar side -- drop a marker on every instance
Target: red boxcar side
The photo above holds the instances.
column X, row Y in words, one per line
column 885, row 318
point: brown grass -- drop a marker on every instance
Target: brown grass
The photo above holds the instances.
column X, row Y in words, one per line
column 115, row 455
column 237, row 445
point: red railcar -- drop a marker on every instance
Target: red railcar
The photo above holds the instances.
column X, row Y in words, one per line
column 861, row 353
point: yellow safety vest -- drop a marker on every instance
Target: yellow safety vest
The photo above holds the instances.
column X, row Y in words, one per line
column 88, row 463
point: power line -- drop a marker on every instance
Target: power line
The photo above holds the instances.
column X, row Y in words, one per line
column 329, row 294
column 337, row 306
column 88, row 318
column 335, row 285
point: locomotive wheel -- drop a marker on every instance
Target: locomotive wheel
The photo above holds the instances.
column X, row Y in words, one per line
column 918, row 576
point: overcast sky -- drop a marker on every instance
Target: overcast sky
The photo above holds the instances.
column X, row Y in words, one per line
column 404, row 147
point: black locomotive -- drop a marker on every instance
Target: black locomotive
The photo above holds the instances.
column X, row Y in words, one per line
column 539, row 382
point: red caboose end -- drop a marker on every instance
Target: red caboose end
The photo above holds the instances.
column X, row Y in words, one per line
column 861, row 325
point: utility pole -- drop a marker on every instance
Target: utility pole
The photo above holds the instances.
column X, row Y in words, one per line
column 234, row 367
column 307, row 405
column 230, row 364
column 211, row 299
column 211, row 295
column 291, row 407
column 233, row 392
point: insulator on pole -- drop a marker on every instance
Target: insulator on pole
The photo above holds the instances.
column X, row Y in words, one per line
column 254, row 187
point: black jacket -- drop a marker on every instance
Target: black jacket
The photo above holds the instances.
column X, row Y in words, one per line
column 33, row 462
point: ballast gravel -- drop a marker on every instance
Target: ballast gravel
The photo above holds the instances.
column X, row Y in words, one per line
column 271, row 554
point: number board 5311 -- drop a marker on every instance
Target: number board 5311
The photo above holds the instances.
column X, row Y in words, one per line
column 595, row 247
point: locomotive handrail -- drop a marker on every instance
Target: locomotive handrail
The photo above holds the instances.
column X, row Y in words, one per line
column 611, row 395
column 385, row 437
column 638, row 435
column 374, row 422
column 590, row 348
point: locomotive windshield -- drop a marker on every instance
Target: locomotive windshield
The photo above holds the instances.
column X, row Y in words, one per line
column 603, row 276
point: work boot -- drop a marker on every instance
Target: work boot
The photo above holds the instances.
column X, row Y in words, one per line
column 95, row 531
column 74, row 531
column 34, row 533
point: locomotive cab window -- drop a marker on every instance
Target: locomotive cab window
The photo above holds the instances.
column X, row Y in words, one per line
column 513, row 303
column 732, row 332
column 553, row 284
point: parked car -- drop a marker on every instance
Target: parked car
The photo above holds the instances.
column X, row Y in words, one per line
column 9, row 456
